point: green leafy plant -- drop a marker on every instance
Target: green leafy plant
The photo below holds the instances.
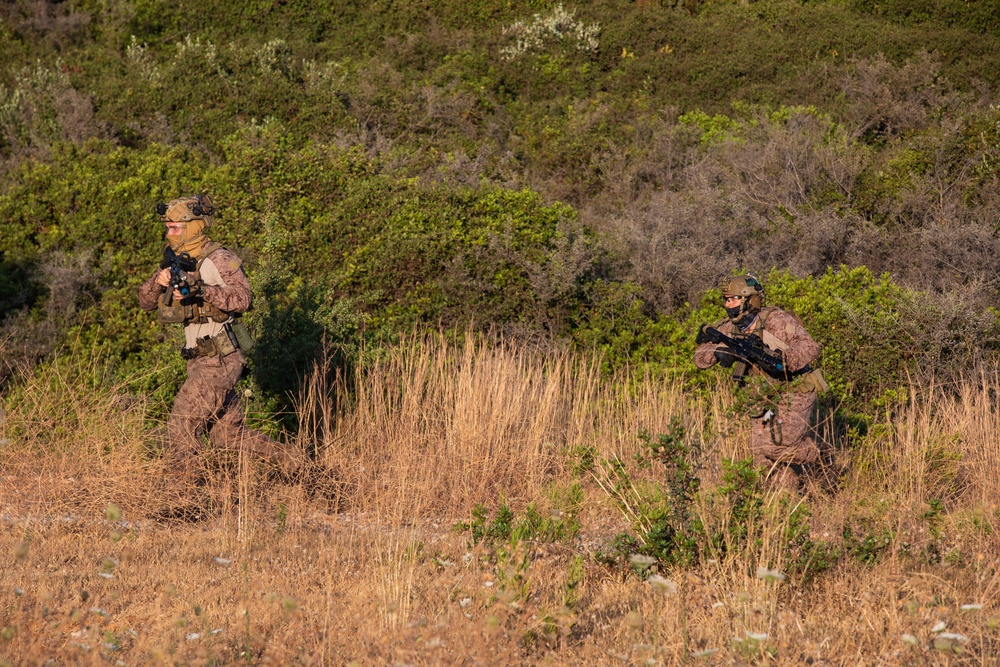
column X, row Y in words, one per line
column 661, row 513
column 867, row 545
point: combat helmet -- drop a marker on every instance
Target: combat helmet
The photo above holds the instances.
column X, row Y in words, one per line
column 747, row 286
column 196, row 213
column 186, row 209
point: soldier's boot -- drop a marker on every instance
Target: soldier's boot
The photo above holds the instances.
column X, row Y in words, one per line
column 293, row 465
column 286, row 461
column 778, row 476
column 181, row 495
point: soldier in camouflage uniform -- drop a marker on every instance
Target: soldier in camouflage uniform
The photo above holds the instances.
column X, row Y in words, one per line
column 782, row 433
column 212, row 290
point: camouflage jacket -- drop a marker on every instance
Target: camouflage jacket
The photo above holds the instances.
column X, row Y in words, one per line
column 224, row 286
column 779, row 331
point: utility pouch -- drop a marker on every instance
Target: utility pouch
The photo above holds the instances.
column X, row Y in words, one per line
column 243, row 338
column 224, row 346
column 822, row 386
column 170, row 310
column 204, row 347
column 812, row 382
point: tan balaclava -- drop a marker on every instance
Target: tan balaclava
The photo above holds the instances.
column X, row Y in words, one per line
column 196, row 212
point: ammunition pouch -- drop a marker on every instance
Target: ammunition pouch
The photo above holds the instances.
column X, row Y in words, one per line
column 240, row 336
column 210, row 346
column 812, row 381
column 169, row 310
column 192, row 310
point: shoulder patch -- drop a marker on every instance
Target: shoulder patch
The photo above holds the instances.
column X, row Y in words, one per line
column 226, row 258
column 790, row 328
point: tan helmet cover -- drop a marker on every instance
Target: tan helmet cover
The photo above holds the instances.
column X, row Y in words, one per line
column 748, row 287
column 186, row 209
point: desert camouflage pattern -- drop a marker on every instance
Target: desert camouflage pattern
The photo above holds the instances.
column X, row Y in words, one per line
column 785, row 436
column 226, row 287
column 207, row 402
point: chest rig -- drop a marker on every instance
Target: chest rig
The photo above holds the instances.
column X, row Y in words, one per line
column 803, row 380
column 191, row 309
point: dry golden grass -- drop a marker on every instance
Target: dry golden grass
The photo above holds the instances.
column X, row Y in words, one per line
column 433, row 429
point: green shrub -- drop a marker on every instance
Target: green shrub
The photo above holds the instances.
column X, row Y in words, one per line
column 504, row 526
column 355, row 154
column 742, row 490
column 865, row 543
column 661, row 512
column 332, row 244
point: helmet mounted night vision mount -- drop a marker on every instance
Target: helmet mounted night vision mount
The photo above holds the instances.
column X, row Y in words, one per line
column 186, row 209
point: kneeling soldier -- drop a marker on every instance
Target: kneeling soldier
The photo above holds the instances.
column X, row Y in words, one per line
column 767, row 342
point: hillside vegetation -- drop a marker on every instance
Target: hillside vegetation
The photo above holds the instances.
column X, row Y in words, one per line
column 583, row 173
column 481, row 237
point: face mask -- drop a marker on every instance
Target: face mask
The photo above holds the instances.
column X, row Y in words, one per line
column 192, row 240
column 746, row 321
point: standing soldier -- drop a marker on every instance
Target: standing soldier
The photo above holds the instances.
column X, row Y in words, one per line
column 768, row 343
column 202, row 286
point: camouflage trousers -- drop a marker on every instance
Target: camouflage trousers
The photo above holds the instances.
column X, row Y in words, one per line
column 786, row 437
column 208, row 403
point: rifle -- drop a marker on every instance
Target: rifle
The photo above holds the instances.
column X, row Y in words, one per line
column 750, row 350
column 181, row 267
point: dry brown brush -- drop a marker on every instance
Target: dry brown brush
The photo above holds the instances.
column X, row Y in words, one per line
column 435, row 427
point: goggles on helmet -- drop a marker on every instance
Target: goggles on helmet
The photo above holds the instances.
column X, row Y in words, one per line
column 186, row 209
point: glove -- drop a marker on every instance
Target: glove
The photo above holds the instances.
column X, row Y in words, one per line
column 779, row 369
column 725, row 357
column 702, row 337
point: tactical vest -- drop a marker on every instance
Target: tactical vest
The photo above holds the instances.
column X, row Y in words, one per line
column 193, row 309
column 804, row 383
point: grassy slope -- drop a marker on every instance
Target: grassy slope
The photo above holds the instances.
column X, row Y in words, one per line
column 898, row 545
column 910, row 529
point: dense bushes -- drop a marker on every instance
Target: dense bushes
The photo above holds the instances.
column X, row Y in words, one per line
column 791, row 188
column 332, row 244
column 336, row 246
column 874, row 334
column 383, row 168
